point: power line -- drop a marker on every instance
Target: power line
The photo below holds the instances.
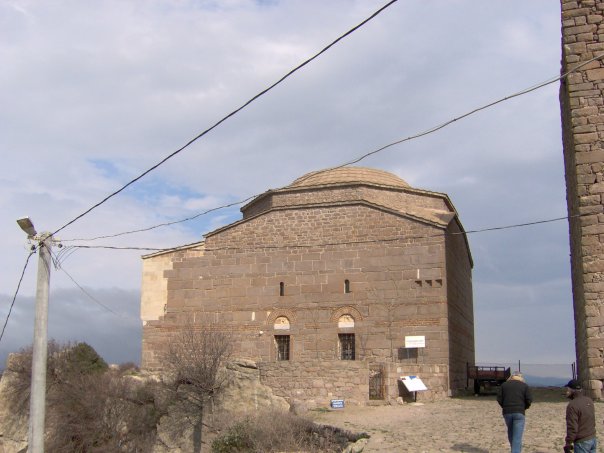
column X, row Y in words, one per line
column 266, row 90
column 57, row 258
column 326, row 244
column 460, row 117
column 16, row 292
column 519, row 225
column 364, row 156
column 111, row 247
column 90, row 296
column 166, row 223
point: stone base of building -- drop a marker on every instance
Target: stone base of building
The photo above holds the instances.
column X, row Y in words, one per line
column 318, row 382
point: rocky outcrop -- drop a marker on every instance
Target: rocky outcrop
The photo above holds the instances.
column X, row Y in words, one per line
column 241, row 393
column 13, row 426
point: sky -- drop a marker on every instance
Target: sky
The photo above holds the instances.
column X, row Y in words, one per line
column 92, row 94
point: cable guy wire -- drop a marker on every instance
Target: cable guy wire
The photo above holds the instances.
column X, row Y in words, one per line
column 161, row 162
column 90, row 296
column 16, row 292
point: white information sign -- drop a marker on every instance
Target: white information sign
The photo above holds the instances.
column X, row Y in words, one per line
column 413, row 383
column 418, row 341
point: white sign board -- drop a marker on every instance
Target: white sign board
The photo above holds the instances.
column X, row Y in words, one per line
column 418, row 341
column 337, row 404
column 413, row 383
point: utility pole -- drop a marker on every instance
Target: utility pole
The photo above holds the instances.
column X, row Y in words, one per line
column 37, row 402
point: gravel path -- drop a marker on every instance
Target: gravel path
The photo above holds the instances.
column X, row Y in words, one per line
column 467, row 424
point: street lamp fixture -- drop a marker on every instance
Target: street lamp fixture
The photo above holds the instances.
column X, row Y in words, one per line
column 27, row 226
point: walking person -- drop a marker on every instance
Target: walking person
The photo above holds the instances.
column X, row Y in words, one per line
column 515, row 398
column 580, row 420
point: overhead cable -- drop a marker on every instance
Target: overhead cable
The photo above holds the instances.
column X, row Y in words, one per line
column 364, row 156
column 266, row 90
column 90, row 296
column 326, row 244
column 460, row 117
column 16, row 293
column 164, row 224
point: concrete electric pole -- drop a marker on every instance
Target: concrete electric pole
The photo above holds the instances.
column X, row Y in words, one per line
column 37, row 403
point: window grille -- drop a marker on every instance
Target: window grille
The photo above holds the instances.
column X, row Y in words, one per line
column 346, row 346
column 407, row 353
column 282, row 342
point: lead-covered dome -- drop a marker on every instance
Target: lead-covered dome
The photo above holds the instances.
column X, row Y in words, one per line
column 344, row 175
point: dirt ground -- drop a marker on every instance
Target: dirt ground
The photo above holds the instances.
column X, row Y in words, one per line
column 471, row 424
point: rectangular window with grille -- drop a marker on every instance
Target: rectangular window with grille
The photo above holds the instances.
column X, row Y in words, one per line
column 346, row 346
column 282, row 342
column 407, row 354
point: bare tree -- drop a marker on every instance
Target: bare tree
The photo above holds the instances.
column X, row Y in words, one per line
column 193, row 360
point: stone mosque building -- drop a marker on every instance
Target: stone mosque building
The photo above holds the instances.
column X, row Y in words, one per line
column 335, row 285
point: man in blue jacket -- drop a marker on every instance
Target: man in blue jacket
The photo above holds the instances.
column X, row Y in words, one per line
column 515, row 398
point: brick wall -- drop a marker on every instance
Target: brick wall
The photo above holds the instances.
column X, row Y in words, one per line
column 583, row 131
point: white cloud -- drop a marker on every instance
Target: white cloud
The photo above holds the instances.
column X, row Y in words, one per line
column 95, row 93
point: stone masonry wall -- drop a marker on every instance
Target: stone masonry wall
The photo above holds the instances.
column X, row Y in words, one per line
column 582, row 109
column 154, row 286
column 434, row 376
column 396, row 288
column 402, row 200
column 317, row 382
column 459, row 305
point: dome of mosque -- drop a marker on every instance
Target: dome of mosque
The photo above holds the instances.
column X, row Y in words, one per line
column 349, row 175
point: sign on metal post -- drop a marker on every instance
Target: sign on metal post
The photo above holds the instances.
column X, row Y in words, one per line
column 413, row 383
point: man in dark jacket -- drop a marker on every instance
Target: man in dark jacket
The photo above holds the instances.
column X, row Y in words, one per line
column 514, row 397
column 580, row 420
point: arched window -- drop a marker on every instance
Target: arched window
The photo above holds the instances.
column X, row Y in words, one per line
column 347, row 286
column 282, row 340
column 281, row 323
column 346, row 341
column 282, row 289
column 345, row 322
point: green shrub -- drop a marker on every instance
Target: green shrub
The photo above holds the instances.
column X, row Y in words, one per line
column 83, row 358
column 235, row 440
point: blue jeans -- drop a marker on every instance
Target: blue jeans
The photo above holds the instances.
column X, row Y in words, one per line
column 587, row 446
column 515, row 424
